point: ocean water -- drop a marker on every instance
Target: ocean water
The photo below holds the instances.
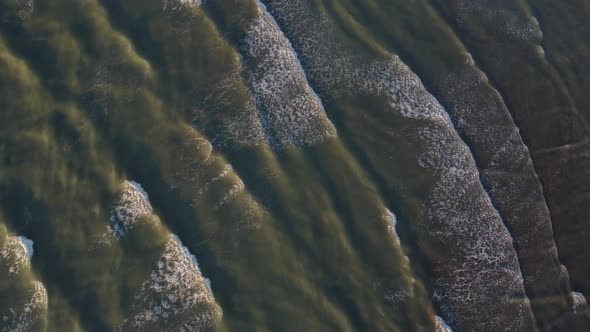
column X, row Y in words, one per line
column 294, row 165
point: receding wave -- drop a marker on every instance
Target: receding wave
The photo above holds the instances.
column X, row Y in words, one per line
column 481, row 269
column 553, row 128
column 510, row 178
column 291, row 112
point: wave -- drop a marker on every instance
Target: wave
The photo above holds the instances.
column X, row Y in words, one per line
column 176, row 296
column 391, row 220
column 240, row 128
column 291, row 112
column 405, row 289
column 441, row 326
column 132, row 208
column 502, row 17
column 175, row 5
column 580, row 303
column 550, row 123
column 226, row 111
column 479, row 271
column 511, row 181
column 195, row 169
column 24, row 300
column 28, row 310
column 207, row 179
column 15, row 255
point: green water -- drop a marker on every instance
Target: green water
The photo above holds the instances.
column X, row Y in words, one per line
column 332, row 165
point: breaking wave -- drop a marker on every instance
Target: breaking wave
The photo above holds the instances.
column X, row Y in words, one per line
column 291, row 113
column 176, row 290
column 23, row 300
column 480, row 269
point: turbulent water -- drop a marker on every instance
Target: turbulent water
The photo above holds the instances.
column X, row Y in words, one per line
column 294, row 165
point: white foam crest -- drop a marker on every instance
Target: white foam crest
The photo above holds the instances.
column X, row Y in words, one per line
column 14, row 255
column 441, row 326
column 482, row 267
column 175, row 5
column 474, row 105
column 27, row 307
column 507, row 21
column 404, row 290
column 290, row 111
column 131, row 208
column 343, row 73
column 27, row 245
column 187, row 253
column 391, row 224
column 580, row 303
column 137, row 187
column 176, row 296
column 469, row 59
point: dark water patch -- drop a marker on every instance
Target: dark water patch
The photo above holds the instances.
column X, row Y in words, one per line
column 480, row 116
column 546, row 115
column 370, row 226
column 565, row 28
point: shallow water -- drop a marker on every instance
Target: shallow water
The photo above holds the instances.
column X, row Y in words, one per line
column 301, row 165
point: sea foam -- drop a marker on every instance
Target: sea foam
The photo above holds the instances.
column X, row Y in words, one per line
column 505, row 21
column 290, row 111
column 480, row 271
column 132, row 208
column 15, row 254
column 580, row 303
column 26, row 309
column 176, row 296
